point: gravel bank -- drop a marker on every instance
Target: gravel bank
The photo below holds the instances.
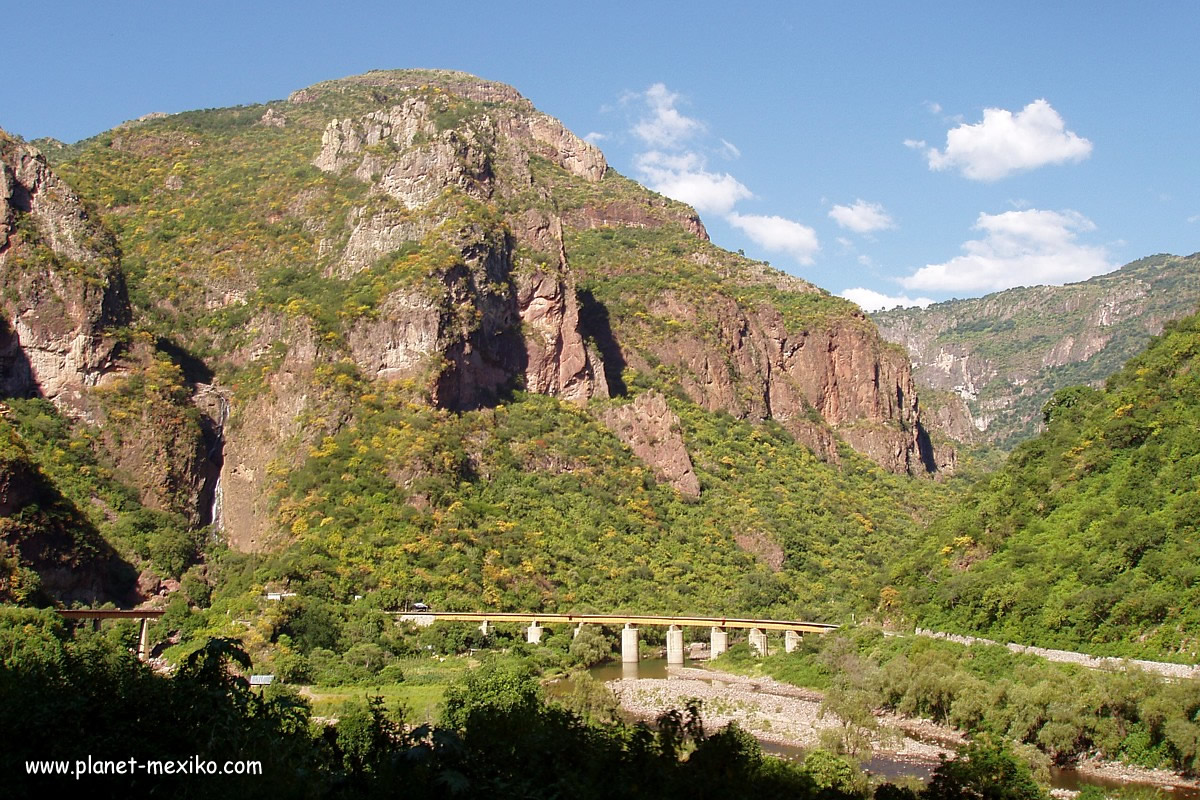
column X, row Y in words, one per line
column 790, row 715
column 1163, row 668
column 770, row 710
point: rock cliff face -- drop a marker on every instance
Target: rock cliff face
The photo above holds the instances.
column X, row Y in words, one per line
column 406, row 152
column 1005, row 354
column 558, row 361
column 751, row 365
column 64, row 306
column 652, row 431
column 64, row 291
column 471, row 321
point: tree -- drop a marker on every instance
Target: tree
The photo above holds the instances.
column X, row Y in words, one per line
column 983, row 771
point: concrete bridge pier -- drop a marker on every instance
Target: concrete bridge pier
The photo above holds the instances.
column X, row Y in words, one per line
column 791, row 640
column 629, row 644
column 758, row 641
column 484, row 628
column 718, row 642
column 578, row 628
column 533, row 634
column 674, row 646
column 144, row 640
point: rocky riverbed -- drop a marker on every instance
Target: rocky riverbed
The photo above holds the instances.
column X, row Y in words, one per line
column 771, row 711
column 790, row 715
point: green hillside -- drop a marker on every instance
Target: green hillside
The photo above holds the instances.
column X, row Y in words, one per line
column 1088, row 536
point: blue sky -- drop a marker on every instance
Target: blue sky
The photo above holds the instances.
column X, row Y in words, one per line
column 919, row 150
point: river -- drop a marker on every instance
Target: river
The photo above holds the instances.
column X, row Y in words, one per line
column 654, row 671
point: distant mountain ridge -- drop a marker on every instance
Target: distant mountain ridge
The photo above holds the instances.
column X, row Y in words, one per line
column 1004, row 355
column 1087, row 535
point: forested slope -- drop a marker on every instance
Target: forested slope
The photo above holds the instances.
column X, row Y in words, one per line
column 1088, row 537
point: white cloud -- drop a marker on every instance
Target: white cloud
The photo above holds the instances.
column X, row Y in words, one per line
column 778, row 234
column 914, row 144
column 675, row 163
column 862, row 217
column 871, row 300
column 682, row 176
column 1004, row 143
column 1018, row 248
column 595, row 137
column 932, row 107
column 665, row 127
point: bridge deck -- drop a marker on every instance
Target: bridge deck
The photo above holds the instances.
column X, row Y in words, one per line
column 109, row 613
column 622, row 619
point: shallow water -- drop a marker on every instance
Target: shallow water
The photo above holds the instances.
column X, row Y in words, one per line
column 883, row 766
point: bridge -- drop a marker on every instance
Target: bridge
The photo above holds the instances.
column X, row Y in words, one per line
column 793, row 630
column 97, row 614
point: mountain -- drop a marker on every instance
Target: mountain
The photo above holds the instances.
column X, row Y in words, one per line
column 1088, row 536
column 403, row 333
column 1004, row 355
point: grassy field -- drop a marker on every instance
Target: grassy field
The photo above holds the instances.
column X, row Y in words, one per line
column 419, row 694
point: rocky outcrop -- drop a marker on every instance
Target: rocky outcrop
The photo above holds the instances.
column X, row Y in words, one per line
column 65, row 294
column 377, row 234
column 750, row 364
column 481, row 329
column 653, row 432
column 558, row 361
column 623, row 213
column 402, row 337
column 262, row 424
column 405, row 152
column 152, row 432
column 540, row 134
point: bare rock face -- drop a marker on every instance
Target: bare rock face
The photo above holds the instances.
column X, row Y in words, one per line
column 471, row 326
column 149, row 427
column 377, row 234
column 260, row 424
column 543, row 135
column 558, row 361
column 633, row 215
column 407, row 155
column 462, row 332
column 752, row 366
column 64, row 290
column 652, row 431
column 273, row 119
column 480, row 328
column 398, row 343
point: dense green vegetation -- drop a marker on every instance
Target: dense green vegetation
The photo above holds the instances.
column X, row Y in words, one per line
column 534, row 504
column 496, row 737
column 80, row 494
column 1088, row 536
column 1065, row 711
